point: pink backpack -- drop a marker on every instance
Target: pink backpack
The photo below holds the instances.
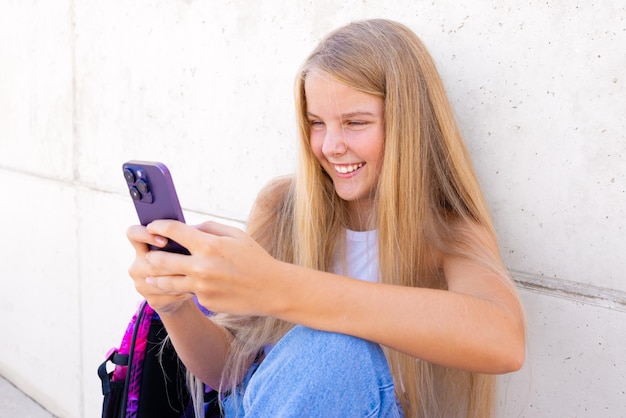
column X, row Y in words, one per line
column 147, row 379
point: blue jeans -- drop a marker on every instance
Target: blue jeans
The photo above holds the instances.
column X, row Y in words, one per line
column 313, row 373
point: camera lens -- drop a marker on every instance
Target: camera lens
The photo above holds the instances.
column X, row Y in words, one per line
column 134, row 193
column 142, row 186
column 129, row 176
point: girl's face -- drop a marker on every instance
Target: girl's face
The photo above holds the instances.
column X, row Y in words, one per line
column 347, row 136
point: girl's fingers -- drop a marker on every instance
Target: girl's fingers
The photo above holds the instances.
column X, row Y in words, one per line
column 194, row 238
column 139, row 238
column 166, row 263
column 171, row 284
column 187, row 236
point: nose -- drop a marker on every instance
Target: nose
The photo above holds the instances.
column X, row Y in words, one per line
column 334, row 142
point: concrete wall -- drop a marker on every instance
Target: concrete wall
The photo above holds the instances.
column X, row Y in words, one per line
column 539, row 89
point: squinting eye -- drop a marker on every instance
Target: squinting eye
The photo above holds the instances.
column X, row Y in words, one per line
column 357, row 124
column 316, row 123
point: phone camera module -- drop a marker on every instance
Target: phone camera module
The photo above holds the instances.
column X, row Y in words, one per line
column 137, row 182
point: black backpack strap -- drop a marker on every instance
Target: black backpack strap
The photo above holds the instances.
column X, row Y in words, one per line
column 105, row 377
column 119, row 359
column 141, row 312
column 111, row 390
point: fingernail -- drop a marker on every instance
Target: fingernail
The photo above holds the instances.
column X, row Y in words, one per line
column 150, row 281
column 160, row 241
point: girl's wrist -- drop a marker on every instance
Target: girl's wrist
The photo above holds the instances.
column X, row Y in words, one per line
column 288, row 287
column 175, row 308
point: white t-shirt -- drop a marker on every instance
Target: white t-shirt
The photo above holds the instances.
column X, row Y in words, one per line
column 362, row 256
column 362, row 259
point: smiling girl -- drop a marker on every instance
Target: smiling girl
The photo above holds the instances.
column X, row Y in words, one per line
column 368, row 284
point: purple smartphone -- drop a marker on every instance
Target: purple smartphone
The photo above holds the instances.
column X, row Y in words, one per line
column 151, row 187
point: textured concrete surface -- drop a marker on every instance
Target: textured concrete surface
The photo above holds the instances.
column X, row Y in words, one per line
column 538, row 87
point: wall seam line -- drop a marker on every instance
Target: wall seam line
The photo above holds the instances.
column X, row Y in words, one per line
column 76, row 186
column 584, row 293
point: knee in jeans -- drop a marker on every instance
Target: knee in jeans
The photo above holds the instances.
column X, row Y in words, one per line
column 338, row 353
column 316, row 371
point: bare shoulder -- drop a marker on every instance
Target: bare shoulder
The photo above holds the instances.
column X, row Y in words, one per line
column 275, row 192
column 273, row 197
column 473, row 260
column 271, row 216
column 469, row 238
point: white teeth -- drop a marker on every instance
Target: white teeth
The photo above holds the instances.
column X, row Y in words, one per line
column 345, row 169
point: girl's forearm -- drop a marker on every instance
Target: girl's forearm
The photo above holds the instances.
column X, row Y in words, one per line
column 201, row 344
column 447, row 328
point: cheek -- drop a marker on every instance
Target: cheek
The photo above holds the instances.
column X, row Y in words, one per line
column 316, row 143
column 374, row 148
column 377, row 155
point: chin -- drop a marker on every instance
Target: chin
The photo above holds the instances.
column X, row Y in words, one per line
column 348, row 196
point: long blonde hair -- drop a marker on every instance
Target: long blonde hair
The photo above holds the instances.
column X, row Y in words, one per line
column 428, row 202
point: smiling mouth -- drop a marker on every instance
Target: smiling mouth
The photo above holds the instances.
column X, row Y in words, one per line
column 347, row 169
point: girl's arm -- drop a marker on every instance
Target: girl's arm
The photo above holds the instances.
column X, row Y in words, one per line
column 201, row 344
column 476, row 325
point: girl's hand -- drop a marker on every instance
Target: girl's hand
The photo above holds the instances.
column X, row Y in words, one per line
column 227, row 270
column 141, row 271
